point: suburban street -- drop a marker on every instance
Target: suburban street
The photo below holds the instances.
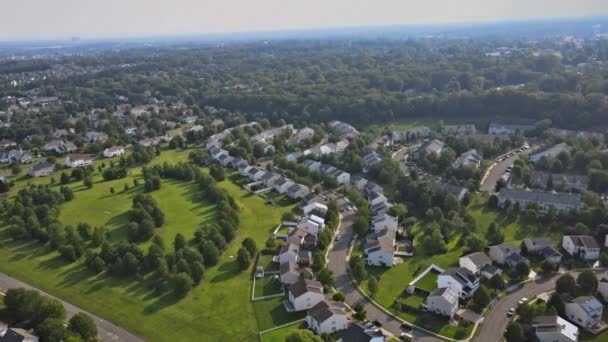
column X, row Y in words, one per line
column 338, row 264
column 107, row 331
column 496, row 320
column 489, row 183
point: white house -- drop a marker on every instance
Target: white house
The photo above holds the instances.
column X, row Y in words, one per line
column 470, row 158
column 459, row 279
column 15, row 334
column 585, row 311
column 312, row 224
column 544, row 200
column 554, row 329
column 291, row 273
column 505, row 254
column 581, row 246
column 41, row 169
column 113, row 151
column 474, row 262
column 304, row 294
column 327, row 317
column 78, row 160
column 282, row 185
column 314, row 206
column 380, row 253
column 443, row 301
column 289, row 253
column 297, row 191
column 602, row 286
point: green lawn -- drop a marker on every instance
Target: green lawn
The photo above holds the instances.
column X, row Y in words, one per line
column 415, row 301
column 271, row 313
column 280, row 334
column 428, row 282
column 267, row 286
column 222, row 297
column 265, row 261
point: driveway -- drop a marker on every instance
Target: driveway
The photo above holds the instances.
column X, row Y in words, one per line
column 337, row 263
column 107, row 331
column 498, row 169
column 496, row 321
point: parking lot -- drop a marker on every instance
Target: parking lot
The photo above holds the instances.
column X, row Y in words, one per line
column 502, row 168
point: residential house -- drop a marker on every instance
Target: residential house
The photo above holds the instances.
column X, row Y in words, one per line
column 282, row 185
column 6, row 144
column 255, row 174
column 78, row 160
column 360, row 333
column 543, row 247
column 148, row 142
column 226, row 160
column 551, row 152
column 411, row 134
column 345, row 130
column 468, row 129
column 544, row 200
column 312, row 165
column 506, row 254
column 380, row 252
column 244, row 169
column 316, row 207
column 8, row 334
column 459, row 191
column 59, row 146
column 585, row 311
column 113, row 151
column 294, row 156
column 304, row 294
column 471, row 158
column 312, row 224
column 376, row 198
column 442, row 301
column 459, row 279
column 371, row 158
column 497, row 129
column 434, row 146
column 583, row 247
column 41, row 169
column 474, row 262
column 291, row 273
column 358, row 182
column 289, row 252
column 297, row 191
column 269, row 178
column 384, row 221
column 95, row 137
column 301, row 135
column 16, row 157
column 327, row 317
column 558, row 181
column 554, row 329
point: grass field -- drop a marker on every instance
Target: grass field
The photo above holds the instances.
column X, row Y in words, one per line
column 280, row 334
column 271, row 313
column 222, row 297
column 267, row 286
column 428, row 282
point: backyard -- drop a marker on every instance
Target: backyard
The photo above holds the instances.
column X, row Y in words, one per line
column 267, row 286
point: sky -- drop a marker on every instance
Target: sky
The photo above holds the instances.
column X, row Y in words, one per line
column 88, row 18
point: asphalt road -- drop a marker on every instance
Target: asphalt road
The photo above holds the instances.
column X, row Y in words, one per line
column 107, row 330
column 337, row 263
column 489, row 183
column 496, row 321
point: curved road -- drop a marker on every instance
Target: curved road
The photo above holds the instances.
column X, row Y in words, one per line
column 107, row 331
column 337, row 263
column 496, row 320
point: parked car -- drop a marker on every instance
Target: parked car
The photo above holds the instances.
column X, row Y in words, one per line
column 377, row 323
column 405, row 336
column 523, row 301
column 511, row 312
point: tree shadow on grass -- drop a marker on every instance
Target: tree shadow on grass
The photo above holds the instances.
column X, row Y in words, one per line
column 165, row 300
column 53, row 263
column 226, row 271
column 74, row 275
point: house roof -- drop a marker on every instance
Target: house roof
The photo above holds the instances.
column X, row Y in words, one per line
column 540, row 196
column 507, row 248
column 555, row 324
column 42, row 165
column 461, row 275
column 287, row 267
column 326, row 309
column 357, row 333
column 80, row 157
column 538, row 242
column 304, row 286
column 585, row 241
column 446, row 293
column 588, row 303
column 478, row 258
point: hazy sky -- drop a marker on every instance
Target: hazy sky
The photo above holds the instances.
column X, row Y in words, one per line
column 39, row 18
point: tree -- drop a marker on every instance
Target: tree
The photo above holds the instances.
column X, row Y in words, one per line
column 48, row 308
column 522, row 269
column 217, row 172
column 372, row 286
column 360, row 225
column 83, row 325
column 514, row 333
column 338, row 296
column 179, row 242
column 565, row 284
column 526, row 313
column 250, row 245
column 326, row 277
column 183, row 285
column 496, row 282
column 301, row 335
column 360, row 313
column 357, row 268
column 481, row 298
column 197, row 270
column 67, row 193
column 548, row 267
column 64, row 179
column 587, row 281
column 243, row 258
column 475, row 243
column 88, row 182
column 494, row 236
column 51, row 330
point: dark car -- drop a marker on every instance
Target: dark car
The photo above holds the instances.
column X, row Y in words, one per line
column 377, row 323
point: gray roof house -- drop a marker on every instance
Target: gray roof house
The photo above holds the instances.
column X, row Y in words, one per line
column 545, row 200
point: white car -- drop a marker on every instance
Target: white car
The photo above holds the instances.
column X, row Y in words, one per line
column 523, row 301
